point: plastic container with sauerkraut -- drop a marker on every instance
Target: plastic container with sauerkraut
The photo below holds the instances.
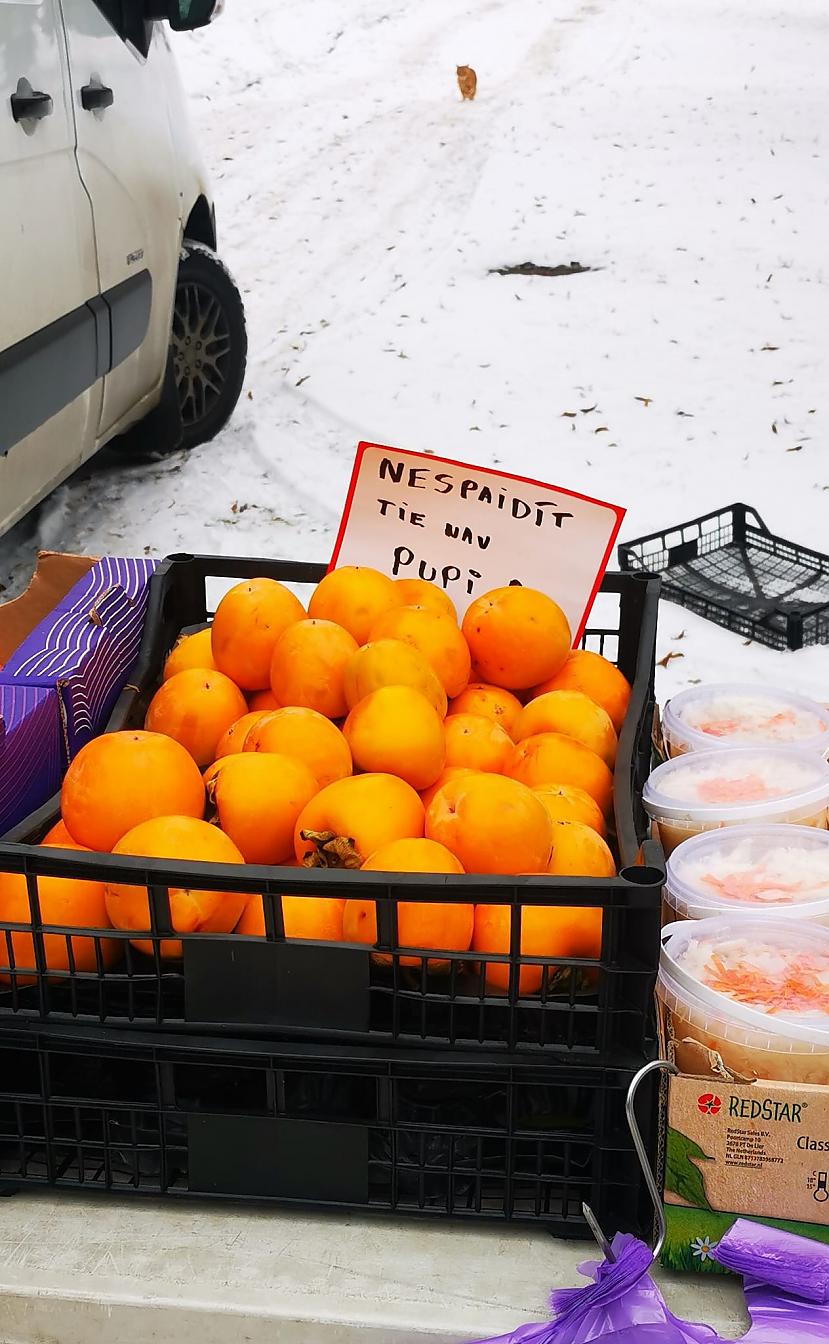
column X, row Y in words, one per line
column 752, row 990
column 705, row 790
column 750, row 870
column 705, row 718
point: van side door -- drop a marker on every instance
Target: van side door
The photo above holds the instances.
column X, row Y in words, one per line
column 51, row 336
column 122, row 72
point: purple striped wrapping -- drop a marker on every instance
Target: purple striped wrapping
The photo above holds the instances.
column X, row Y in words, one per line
column 31, row 751
column 58, row 688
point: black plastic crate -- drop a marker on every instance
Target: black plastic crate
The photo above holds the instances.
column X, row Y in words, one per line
column 225, row 983
column 359, row 1129
column 728, row 567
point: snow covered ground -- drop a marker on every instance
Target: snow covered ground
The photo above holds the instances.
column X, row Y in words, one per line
column 678, row 149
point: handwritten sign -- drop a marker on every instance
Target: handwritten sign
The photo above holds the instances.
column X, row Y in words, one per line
column 469, row 529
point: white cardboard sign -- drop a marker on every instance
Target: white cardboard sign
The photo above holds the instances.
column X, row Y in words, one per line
column 469, row 529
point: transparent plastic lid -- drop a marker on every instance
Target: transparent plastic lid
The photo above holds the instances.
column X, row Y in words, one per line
column 738, row 784
column 706, row 717
column 751, row 870
column 766, row 973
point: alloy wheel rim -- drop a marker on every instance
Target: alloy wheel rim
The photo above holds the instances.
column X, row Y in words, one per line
column 200, row 348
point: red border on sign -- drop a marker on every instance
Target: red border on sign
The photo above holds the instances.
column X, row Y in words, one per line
column 615, row 509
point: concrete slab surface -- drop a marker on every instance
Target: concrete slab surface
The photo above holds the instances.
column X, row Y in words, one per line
column 79, row 1270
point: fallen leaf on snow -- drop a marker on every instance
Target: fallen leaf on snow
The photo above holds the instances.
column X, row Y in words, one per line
column 669, row 658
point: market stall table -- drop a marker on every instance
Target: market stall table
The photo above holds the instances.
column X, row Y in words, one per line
column 75, row 1270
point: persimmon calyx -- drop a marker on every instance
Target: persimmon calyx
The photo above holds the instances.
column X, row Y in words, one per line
column 330, row 850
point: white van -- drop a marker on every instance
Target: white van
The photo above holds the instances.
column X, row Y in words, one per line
column 115, row 313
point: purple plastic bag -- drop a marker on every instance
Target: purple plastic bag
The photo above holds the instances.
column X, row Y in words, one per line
column 632, row 1334
column 769, row 1255
column 781, row 1271
column 621, row 1306
column 782, row 1318
column 624, row 1306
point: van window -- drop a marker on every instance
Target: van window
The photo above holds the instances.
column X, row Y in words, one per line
column 127, row 18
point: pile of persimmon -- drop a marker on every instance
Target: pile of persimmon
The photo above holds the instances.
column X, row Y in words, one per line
column 371, row 731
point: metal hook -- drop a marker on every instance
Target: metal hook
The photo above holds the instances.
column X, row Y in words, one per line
column 644, row 1162
column 641, row 1150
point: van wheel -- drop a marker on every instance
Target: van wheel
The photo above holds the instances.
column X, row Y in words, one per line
column 208, row 344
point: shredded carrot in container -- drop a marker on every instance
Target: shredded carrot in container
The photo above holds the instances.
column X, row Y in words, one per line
column 720, row 727
column 748, row 789
column 797, row 989
column 753, row 885
column 768, row 726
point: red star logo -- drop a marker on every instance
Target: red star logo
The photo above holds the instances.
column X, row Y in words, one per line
column 709, row 1103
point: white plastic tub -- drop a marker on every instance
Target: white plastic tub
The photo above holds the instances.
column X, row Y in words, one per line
column 705, row 790
column 754, row 990
column 705, row 718
column 750, row 870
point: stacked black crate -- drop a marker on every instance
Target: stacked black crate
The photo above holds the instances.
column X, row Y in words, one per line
column 326, row 1075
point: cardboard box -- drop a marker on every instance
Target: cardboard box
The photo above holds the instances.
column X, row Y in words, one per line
column 738, row 1149
column 66, row 648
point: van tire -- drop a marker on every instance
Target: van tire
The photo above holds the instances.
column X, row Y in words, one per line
column 208, row 389
column 171, row 426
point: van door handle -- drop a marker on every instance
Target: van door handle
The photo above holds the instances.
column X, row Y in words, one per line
column 31, row 106
column 95, row 97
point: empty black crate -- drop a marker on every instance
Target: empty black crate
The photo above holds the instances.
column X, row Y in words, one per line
column 728, row 567
column 354, row 1128
column 597, row 1006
